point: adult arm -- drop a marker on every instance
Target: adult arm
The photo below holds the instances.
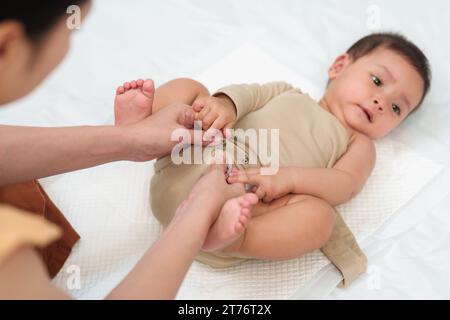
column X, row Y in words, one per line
column 23, row 277
column 159, row 274
column 28, row 153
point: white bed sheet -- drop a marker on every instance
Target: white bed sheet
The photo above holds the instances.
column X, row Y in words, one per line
column 183, row 38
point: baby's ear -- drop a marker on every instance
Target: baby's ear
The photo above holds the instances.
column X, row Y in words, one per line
column 338, row 65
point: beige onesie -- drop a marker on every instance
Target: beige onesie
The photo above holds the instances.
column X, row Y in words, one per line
column 309, row 137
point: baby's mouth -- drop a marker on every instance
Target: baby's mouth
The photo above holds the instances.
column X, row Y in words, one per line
column 368, row 115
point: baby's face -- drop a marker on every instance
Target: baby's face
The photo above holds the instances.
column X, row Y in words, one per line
column 375, row 93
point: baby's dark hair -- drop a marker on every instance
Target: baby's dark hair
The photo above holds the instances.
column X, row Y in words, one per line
column 37, row 17
column 399, row 44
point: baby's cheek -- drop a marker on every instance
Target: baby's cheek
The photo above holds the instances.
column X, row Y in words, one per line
column 349, row 90
column 383, row 130
column 358, row 90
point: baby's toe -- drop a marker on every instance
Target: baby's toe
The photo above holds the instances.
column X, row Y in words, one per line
column 244, row 203
column 245, row 212
column 239, row 227
column 251, row 198
column 120, row 90
column 248, row 200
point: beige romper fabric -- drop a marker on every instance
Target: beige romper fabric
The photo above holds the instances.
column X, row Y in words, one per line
column 19, row 228
column 309, row 137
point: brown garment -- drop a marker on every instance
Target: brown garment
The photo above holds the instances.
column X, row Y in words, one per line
column 31, row 197
column 343, row 251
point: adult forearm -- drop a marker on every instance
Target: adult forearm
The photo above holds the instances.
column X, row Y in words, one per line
column 332, row 185
column 29, row 153
column 160, row 272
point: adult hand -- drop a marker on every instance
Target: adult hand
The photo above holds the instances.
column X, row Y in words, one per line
column 152, row 137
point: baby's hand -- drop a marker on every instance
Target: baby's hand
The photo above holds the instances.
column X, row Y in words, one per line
column 266, row 187
column 215, row 112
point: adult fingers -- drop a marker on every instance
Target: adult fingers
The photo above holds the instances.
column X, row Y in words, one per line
column 220, row 167
column 244, row 177
column 247, row 172
column 185, row 116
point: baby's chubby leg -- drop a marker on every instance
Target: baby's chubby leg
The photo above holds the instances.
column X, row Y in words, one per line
column 182, row 90
column 136, row 100
column 294, row 226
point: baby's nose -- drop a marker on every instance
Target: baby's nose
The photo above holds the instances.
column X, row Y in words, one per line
column 378, row 104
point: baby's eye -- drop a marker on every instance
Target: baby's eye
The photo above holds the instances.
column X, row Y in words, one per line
column 396, row 109
column 376, row 81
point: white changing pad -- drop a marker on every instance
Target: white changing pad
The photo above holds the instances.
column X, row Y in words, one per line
column 109, row 207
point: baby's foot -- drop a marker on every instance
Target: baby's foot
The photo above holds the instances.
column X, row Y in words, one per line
column 134, row 101
column 231, row 223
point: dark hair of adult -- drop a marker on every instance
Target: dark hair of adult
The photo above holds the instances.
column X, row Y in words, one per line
column 38, row 17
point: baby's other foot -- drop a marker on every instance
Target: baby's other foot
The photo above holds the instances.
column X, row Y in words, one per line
column 231, row 223
column 134, row 101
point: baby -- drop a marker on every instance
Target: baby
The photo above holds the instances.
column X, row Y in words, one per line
column 326, row 149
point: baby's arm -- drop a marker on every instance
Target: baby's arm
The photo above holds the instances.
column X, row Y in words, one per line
column 228, row 105
column 334, row 185
column 251, row 97
column 345, row 180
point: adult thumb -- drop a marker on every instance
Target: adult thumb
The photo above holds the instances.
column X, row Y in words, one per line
column 186, row 117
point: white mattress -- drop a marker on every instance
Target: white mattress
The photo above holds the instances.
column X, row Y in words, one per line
column 408, row 257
